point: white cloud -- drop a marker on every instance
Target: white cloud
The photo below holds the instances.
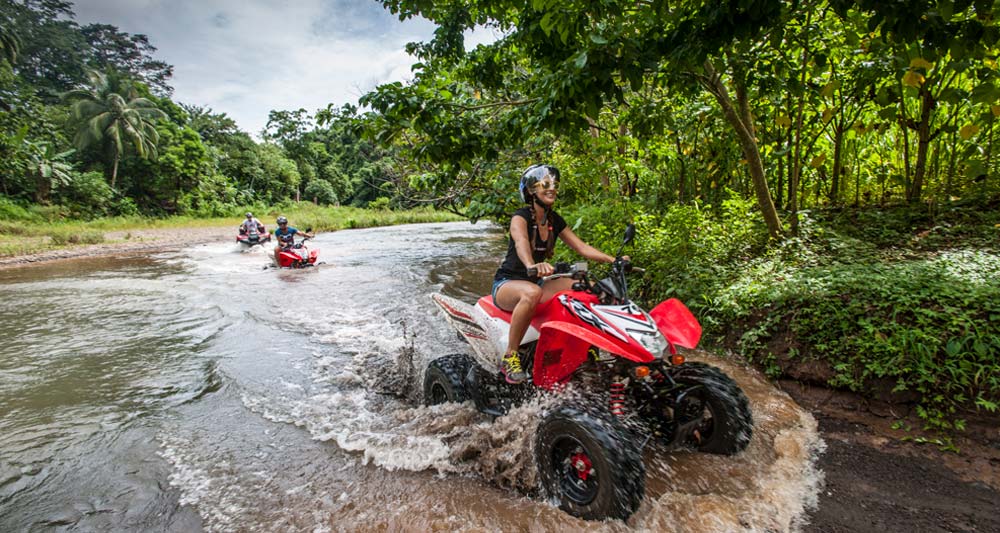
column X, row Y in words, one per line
column 248, row 57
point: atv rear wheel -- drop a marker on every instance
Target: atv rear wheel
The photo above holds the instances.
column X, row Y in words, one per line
column 444, row 379
column 727, row 424
column 588, row 464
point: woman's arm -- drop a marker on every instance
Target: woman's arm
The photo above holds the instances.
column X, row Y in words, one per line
column 582, row 248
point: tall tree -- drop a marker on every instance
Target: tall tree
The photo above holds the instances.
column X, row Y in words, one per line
column 130, row 54
column 112, row 115
column 52, row 52
column 213, row 127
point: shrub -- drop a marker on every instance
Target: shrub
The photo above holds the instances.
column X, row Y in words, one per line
column 87, row 195
column 381, row 204
column 321, row 191
column 10, row 210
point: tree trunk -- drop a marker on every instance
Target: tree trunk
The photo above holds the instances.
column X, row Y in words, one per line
column 923, row 143
column 838, row 154
column 114, row 172
column 781, row 172
column 796, row 170
column 682, row 179
column 745, row 137
column 989, row 146
column 820, row 183
column 595, row 133
column 43, row 186
column 905, row 137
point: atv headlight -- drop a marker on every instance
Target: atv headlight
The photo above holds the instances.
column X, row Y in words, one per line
column 653, row 343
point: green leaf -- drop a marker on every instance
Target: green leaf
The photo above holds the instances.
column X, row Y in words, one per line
column 984, row 93
column 546, row 23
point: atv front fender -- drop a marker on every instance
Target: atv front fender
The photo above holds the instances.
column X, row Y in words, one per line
column 676, row 323
column 562, row 348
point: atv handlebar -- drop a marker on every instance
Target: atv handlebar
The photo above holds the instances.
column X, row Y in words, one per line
column 562, row 270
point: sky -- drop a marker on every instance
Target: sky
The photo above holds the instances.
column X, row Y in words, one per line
column 248, row 57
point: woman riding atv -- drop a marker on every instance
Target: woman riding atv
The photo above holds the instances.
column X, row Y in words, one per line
column 533, row 231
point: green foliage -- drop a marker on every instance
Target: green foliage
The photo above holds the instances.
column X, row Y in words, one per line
column 213, row 197
column 688, row 251
column 10, row 210
column 88, row 196
column 320, row 191
column 925, row 326
column 381, row 204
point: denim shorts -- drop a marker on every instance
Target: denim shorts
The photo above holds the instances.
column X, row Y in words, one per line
column 498, row 282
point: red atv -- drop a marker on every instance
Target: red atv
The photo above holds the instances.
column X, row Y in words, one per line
column 297, row 255
column 249, row 238
column 636, row 386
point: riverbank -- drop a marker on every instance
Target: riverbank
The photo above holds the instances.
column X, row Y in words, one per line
column 875, row 481
column 125, row 242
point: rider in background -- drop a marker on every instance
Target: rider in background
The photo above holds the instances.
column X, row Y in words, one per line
column 251, row 223
column 286, row 235
column 533, row 232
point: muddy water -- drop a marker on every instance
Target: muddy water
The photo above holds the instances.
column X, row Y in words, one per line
column 196, row 391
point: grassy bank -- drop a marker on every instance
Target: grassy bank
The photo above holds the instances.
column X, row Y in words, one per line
column 31, row 231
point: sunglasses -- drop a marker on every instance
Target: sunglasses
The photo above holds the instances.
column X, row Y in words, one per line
column 547, row 184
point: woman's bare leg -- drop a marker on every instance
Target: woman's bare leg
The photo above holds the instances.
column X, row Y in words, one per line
column 520, row 298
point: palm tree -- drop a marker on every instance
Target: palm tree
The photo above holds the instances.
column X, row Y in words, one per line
column 113, row 115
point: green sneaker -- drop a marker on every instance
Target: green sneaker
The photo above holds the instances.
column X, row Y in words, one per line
column 511, row 368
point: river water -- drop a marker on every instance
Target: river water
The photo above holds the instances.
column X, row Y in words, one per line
column 197, row 391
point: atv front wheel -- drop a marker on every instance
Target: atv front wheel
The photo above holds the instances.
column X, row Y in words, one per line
column 444, row 379
column 727, row 424
column 588, row 464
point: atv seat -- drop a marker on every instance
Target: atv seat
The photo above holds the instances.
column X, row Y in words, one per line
column 486, row 302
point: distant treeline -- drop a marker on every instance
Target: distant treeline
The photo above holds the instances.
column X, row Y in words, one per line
column 88, row 128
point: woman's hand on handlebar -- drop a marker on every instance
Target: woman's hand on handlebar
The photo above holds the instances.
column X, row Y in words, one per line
column 542, row 269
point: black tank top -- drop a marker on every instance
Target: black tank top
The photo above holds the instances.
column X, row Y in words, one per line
column 512, row 267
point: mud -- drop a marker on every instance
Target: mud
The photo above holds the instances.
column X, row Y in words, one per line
column 877, row 481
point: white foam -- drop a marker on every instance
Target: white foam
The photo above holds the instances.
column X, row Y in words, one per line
column 208, row 488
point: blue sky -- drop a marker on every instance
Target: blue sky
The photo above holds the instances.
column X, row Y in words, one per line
column 248, row 57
